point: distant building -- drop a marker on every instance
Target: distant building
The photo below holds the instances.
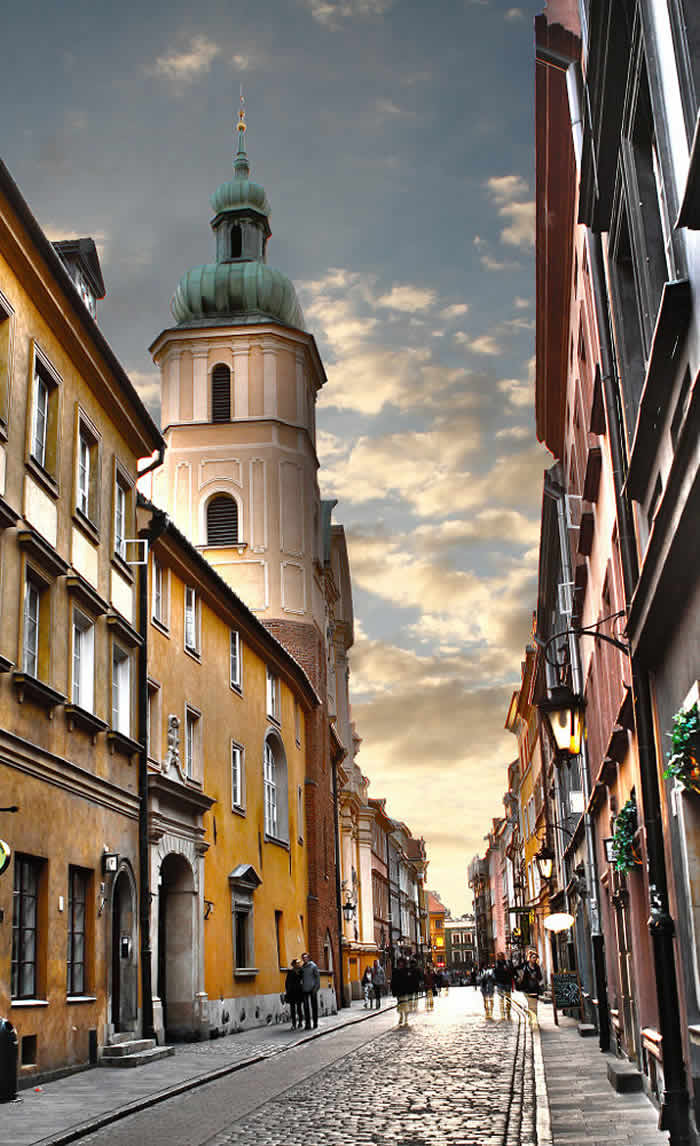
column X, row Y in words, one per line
column 460, row 945
column 437, row 914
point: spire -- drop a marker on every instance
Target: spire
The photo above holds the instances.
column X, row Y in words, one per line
column 240, row 165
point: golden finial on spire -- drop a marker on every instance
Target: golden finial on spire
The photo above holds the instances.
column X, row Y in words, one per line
column 241, row 113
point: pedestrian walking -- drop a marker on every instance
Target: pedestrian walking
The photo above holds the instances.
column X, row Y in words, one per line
column 429, row 981
column 367, row 985
column 400, row 988
column 504, row 977
column 293, row 993
column 414, row 978
column 310, row 983
column 487, row 984
column 378, row 983
column 530, row 983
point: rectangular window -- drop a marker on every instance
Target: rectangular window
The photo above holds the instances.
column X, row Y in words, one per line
column 30, row 631
column 273, row 696
column 237, row 794
column 120, row 520
column 235, row 659
column 83, row 474
column 300, row 813
column 191, row 620
column 78, row 882
column 121, row 691
column 6, row 313
column 192, row 743
column 83, row 691
column 153, row 728
column 242, row 929
column 25, row 903
column 40, row 419
column 279, row 939
column 270, row 786
column 158, row 594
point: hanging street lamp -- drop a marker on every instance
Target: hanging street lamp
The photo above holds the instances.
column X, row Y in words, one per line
column 563, row 713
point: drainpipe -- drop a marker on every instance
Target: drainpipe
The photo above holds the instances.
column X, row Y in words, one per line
column 338, row 904
column 154, row 531
column 555, row 491
column 675, row 1105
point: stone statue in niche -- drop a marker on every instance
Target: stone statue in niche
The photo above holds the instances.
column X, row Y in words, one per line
column 172, row 758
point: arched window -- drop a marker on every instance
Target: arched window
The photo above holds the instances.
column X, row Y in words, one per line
column 276, row 804
column 222, row 520
column 221, row 393
column 236, row 242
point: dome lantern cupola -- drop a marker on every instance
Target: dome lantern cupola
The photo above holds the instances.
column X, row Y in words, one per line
column 239, row 287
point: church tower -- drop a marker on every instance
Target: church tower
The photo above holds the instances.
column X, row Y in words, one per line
column 239, row 379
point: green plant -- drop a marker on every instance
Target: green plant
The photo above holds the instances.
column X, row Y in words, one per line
column 684, row 757
column 625, row 854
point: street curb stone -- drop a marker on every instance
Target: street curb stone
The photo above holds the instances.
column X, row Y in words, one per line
column 543, row 1120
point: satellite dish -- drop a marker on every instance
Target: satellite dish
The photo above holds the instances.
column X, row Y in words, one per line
column 560, row 921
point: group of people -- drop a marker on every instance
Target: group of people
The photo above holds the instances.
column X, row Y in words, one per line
column 373, row 984
column 503, row 976
column 301, row 989
column 409, row 981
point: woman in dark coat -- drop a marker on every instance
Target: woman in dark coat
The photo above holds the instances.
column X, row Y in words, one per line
column 401, row 988
column 294, row 993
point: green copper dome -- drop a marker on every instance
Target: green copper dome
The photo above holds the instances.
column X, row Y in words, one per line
column 239, row 287
column 236, row 291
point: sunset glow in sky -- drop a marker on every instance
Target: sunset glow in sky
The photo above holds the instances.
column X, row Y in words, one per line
column 395, row 142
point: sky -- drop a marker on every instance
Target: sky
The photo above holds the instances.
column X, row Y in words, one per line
column 395, row 141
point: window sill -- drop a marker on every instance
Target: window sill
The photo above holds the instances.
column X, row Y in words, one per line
column 3, row 428
column 43, row 553
column 121, row 566
column 194, row 653
column 43, row 476
column 238, row 810
column 238, row 689
column 85, row 595
column 245, row 972
column 6, row 665
column 276, row 841
column 29, row 1003
column 28, row 686
column 275, row 720
column 160, row 626
column 123, row 631
column 239, row 546
column 86, row 526
column 8, row 516
column 81, row 999
column 78, row 717
column 120, row 742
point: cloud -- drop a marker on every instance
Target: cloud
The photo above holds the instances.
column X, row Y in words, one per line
column 491, row 264
column 507, row 192
column 332, row 13
column 241, row 62
column 147, row 384
column 407, row 298
column 181, row 68
column 455, row 311
column 522, row 303
column 506, row 188
column 513, row 433
column 387, row 107
column 483, row 344
column 514, row 14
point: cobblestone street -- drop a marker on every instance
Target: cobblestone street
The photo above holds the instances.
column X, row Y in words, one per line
column 451, row 1078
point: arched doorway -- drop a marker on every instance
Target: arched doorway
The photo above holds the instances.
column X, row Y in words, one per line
column 177, row 904
column 124, row 964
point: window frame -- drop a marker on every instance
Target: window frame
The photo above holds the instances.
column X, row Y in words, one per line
column 269, row 791
column 192, row 747
column 86, row 670
column 87, row 515
column 124, row 707
column 74, row 990
column 43, row 586
column 160, row 617
column 218, row 421
column 273, row 696
column 238, row 787
column 193, row 649
column 22, row 863
column 7, row 331
column 45, row 468
column 154, row 701
column 220, row 497
column 235, row 661
column 122, row 488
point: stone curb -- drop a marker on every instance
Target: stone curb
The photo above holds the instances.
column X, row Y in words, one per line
column 100, row 1121
column 543, row 1120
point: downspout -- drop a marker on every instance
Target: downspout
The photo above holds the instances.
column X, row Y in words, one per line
column 339, row 909
column 149, row 535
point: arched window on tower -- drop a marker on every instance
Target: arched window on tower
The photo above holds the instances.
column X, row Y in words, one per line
column 221, row 393
column 236, row 242
column 222, row 520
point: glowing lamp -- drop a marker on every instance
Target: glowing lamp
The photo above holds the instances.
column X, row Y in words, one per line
column 563, row 712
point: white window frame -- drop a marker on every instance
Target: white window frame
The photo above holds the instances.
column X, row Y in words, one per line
column 270, row 789
column 191, row 621
column 120, row 495
column 121, row 690
column 235, row 660
column 192, row 746
column 83, row 473
column 153, row 741
column 300, row 813
column 237, row 777
column 273, row 696
column 40, row 418
column 31, row 627
column 159, row 594
column 83, row 661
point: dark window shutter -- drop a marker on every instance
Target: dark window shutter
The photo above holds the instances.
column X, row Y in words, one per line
column 222, row 521
column 221, row 394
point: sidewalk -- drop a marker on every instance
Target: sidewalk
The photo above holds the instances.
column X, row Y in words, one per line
column 583, row 1107
column 56, row 1113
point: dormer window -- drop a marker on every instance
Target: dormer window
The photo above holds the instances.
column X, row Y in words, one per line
column 236, row 242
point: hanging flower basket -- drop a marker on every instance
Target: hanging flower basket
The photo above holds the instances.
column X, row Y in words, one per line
column 684, row 758
column 624, row 849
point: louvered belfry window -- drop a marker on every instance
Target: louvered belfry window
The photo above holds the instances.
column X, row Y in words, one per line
column 222, row 521
column 221, row 393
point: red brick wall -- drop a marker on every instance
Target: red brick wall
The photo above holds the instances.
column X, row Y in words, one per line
column 305, row 644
